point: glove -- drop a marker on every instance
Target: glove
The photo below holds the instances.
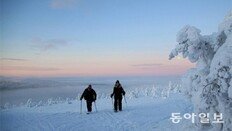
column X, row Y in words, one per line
column 81, row 99
column 111, row 95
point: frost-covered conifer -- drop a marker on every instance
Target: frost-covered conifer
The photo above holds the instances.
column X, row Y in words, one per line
column 209, row 84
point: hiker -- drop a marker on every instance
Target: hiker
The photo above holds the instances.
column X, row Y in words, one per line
column 90, row 96
column 117, row 93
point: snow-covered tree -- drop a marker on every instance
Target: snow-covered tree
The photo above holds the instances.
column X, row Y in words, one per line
column 209, row 84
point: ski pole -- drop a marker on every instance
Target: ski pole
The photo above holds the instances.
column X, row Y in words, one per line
column 125, row 100
column 95, row 106
column 81, row 108
column 112, row 103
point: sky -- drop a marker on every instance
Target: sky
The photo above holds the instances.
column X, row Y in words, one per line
column 100, row 37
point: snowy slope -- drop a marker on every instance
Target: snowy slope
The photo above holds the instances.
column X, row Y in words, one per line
column 143, row 113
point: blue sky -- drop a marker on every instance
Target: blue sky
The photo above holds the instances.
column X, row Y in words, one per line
column 84, row 37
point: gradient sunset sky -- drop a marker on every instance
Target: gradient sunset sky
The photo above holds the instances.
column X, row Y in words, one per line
column 99, row 37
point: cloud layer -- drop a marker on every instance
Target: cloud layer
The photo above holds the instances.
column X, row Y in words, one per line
column 147, row 65
column 29, row 68
column 61, row 4
column 45, row 45
column 13, row 59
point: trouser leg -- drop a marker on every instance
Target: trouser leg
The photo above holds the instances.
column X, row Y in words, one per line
column 89, row 106
column 120, row 104
column 115, row 104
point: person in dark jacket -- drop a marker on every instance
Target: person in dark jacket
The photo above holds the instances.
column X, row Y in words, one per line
column 90, row 96
column 117, row 93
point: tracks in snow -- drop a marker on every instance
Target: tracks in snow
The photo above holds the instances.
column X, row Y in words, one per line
column 149, row 116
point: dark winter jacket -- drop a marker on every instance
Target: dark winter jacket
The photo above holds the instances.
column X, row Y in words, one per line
column 89, row 95
column 118, row 92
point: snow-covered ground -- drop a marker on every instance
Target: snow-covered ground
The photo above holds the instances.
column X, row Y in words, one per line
column 150, row 102
column 143, row 114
